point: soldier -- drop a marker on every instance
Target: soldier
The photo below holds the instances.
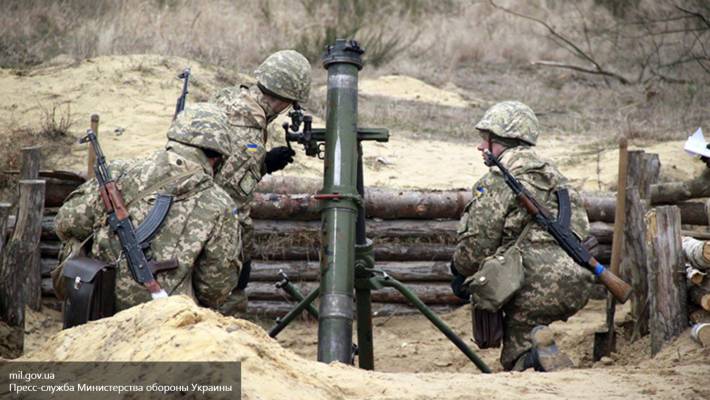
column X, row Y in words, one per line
column 201, row 230
column 554, row 287
column 283, row 79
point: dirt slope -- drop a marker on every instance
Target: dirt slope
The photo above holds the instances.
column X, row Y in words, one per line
column 175, row 329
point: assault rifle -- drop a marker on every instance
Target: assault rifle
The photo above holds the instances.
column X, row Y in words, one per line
column 132, row 240
column 569, row 242
column 180, row 105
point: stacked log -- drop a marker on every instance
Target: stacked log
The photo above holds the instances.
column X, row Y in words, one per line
column 412, row 230
column 289, row 241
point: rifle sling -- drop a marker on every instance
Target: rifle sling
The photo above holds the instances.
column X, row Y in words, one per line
column 161, row 184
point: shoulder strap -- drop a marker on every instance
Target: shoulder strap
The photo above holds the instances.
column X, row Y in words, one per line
column 523, row 234
column 161, row 184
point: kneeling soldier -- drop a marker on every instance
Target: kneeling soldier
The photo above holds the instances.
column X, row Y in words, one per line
column 200, row 234
column 552, row 286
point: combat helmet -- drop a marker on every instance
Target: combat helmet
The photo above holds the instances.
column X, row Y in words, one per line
column 286, row 74
column 511, row 120
column 202, row 125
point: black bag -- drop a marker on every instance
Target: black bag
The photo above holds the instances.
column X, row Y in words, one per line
column 90, row 290
column 487, row 327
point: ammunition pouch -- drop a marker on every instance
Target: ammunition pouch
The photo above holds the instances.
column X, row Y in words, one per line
column 89, row 285
column 498, row 279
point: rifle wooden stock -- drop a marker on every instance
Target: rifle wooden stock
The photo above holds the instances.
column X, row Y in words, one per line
column 106, row 199
column 116, row 201
column 527, row 204
column 616, row 286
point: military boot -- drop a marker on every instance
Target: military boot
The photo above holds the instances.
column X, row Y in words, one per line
column 236, row 304
column 545, row 355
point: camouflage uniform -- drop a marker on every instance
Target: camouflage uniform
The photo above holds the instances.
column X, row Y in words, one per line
column 243, row 169
column 200, row 230
column 284, row 75
column 555, row 287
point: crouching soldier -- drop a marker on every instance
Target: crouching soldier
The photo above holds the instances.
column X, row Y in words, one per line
column 198, row 243
column 538, row 280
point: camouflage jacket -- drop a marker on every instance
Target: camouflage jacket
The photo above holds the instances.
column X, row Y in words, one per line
column 242, row 171
column 200, row 231
column 493, row 220
column 247, row 119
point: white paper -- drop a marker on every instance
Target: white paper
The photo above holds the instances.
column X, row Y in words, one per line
column 696, row 144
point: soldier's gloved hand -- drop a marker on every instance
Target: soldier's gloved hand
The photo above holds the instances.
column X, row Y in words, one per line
column 706, row 160
column 277, row 158
column 460, row 290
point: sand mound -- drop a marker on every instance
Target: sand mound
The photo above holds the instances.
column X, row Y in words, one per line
column 411, row 89
column 175, row 329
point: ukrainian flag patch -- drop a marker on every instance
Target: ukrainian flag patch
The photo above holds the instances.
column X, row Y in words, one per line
column 251, row 147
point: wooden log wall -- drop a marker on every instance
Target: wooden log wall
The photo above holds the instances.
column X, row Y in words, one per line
column 414, row 230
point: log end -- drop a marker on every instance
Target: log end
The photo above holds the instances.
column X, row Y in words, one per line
column 701, row 334
column 705, row 302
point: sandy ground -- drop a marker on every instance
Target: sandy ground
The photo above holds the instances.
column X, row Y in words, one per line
column 177, row 330
column 136, row 95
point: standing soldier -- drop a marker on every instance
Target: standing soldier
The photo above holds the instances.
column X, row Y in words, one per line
column 283, row 79
column 553, row 286
column 200, row 231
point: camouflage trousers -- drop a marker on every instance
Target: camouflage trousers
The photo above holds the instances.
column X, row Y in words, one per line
column 555, row 288
column 237, row 301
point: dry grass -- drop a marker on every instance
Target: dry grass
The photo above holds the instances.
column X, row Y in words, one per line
column 51, row 134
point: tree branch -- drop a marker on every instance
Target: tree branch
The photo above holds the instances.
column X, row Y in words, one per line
column 581, row 69
column 571, row 45
column 695, row 14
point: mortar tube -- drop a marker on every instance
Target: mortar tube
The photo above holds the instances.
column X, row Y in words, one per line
column 339, row 203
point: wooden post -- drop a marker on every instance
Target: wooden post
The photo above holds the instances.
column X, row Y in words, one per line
column 31, row 157
column 30, row 162
column 4, row 215
column 667, row 292
column 17, row 282
column 92, row 155
column 643, row 170
column 620, row 212
column 605, row 341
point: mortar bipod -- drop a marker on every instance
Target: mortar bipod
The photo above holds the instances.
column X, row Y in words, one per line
column 377, row 279
column 304, row 303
